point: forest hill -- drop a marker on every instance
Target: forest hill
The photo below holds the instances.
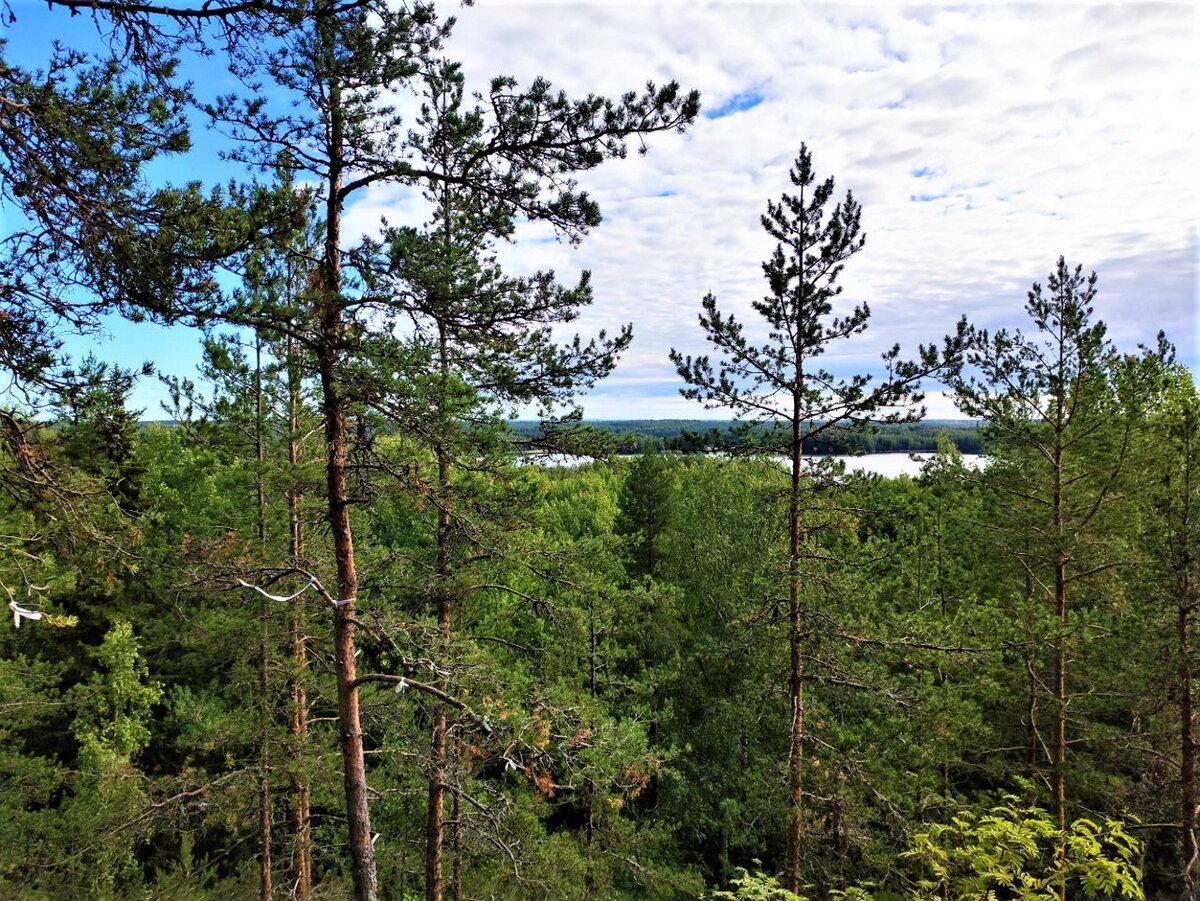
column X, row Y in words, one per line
column 637, row 436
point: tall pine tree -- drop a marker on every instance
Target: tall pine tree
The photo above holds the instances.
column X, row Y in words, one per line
column 782, row 381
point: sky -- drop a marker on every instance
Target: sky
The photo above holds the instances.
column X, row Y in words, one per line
column 983, row 140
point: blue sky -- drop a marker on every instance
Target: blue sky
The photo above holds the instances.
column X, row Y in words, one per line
column 983, row 140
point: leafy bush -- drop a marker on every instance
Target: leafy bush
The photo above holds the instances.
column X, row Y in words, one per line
column 1011, row 851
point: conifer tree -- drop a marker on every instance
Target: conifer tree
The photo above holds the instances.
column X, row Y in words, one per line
column 646, row 512
column 485, row 346
column 783, row 381
column 517, row 148
column 1169, row 455
column 74, row 139
column 1062, row 414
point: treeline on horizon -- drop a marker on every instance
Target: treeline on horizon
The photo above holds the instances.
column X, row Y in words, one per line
column 692, row 436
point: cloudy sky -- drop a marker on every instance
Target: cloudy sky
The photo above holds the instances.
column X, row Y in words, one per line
column 982, row 139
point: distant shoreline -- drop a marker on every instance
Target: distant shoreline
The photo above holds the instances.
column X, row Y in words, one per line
column 633, row 436
column 695, row 436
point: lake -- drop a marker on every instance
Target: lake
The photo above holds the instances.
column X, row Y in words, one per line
column 892, row 465
column 889, row 465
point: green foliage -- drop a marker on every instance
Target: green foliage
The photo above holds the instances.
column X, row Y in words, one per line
column 1009, row 851
column 113, row 709
column 1018, row 850
column 78, row 134
column 111, row 725
column 757, row 886
column 613, row 640
column 645, row 516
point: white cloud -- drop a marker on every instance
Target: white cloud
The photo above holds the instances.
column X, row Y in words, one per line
column 983, row 140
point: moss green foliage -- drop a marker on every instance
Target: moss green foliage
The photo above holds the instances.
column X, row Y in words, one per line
column 633, row 719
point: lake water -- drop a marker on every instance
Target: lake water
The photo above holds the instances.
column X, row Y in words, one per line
column 892, row 465
column 889, row 465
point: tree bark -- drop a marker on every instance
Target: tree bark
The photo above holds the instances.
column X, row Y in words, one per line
column 796, row 812
column 458, row 851
column 332, row 334
column 297, row 693
column 265, row 887
column 264, row 762
column 1032, row 736
column 435, row 821
column 435, row 813
column 1185, row 591
column 1187, row 768
column 795, row 834
column 1058, row 764
column 362, row 854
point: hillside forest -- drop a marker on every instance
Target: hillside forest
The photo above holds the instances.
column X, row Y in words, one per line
column 326, row 631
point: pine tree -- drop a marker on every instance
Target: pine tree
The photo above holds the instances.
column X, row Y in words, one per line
column 646, row 512
column 486, row 345
column 783, row 382
column 1056, row 416
column 74, row 140
column 1169, row 455
column 516, row 148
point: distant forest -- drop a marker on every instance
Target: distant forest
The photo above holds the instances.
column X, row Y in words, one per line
column 690, row 436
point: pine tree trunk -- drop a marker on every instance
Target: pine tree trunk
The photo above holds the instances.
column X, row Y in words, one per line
column 589, row 873
column 297, row 694
column 435, row 812
column 264, row 762
column 332, row 332
column 298, row 727
column 796, row 815
column 1187, row 768
column 1032, row 689
column 1185, row 590
column 362, row 854
column 435, row 820
column 1059, row 751
column 1059, row 776
column 265, row 888
column 458, row 851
